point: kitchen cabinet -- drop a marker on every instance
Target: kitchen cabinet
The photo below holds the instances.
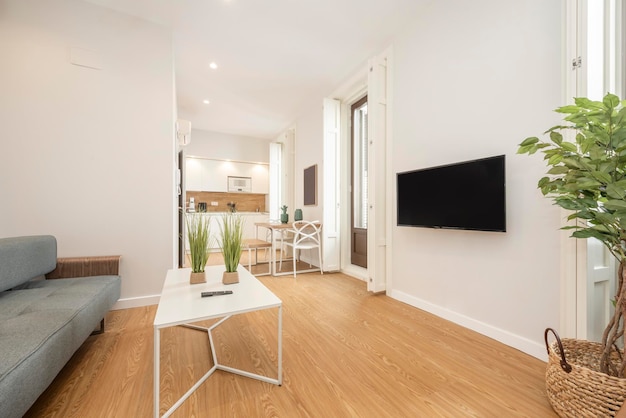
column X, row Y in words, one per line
column 193, row 174
column 212, row 175
column 249, row 229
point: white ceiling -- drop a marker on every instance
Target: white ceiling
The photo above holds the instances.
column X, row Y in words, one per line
column 272, row 55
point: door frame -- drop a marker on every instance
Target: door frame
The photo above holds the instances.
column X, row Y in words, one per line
column 358, row 90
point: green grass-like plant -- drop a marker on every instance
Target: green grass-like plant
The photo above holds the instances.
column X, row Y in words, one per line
column 232, row 240
column 198, row 235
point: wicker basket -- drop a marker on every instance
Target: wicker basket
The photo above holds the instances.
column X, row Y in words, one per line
column 575, row 386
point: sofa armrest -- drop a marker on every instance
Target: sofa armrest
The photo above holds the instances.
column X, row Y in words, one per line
column 68, row 267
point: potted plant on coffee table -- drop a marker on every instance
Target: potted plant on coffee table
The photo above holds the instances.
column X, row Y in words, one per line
column 198, row 235
column 231, row 230
column 588, row 178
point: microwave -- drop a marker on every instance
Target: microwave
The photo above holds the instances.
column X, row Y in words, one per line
column 239, row 184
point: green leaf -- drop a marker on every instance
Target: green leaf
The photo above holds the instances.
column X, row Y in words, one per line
column 568, row 146
column 555, row 159
column 588, row 104
column 525, row 149
column 585, row 184
column 558, row 128
column 576, row 163
column 568, row 204
column 568, row 109
column 601, row 176
column 584, row 214
column 601, row 228
column 556, row 137
column 620, row 115
column 605, row 218
column 586, row 144
column 610, row 100
column 559, row 169
column 615, row 205
column 621, row 183
column 615, row 191
column 529, row 141
column 588, row 233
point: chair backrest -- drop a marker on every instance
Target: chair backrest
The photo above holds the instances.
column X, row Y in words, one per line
column 306, row 233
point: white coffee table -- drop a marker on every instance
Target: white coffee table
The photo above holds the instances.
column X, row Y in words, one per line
column 181, row 304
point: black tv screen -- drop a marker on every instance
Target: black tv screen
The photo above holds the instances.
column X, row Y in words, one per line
column 467, row 195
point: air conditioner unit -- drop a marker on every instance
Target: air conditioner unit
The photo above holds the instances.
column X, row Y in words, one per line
column 183, row 132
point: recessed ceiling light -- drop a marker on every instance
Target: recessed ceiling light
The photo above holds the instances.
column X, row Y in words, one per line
column 206, row 101
column 213, row 66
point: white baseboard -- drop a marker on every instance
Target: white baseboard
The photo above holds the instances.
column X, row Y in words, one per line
column 136, row 302
column 523, row 344
column 355, row 271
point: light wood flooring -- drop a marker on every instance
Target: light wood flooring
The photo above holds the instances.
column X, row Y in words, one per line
column 346, row 353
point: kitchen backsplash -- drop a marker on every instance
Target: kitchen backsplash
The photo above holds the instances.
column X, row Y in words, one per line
column 244, row 202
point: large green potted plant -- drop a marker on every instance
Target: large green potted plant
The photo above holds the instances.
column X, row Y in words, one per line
column 198, row 236
column 587, row 176
column 231, row 229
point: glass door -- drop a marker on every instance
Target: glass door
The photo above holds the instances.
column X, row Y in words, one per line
column 359, row 179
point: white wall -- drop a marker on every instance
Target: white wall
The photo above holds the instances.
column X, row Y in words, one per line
column 471, row 80
column 219, row 145
column 88, row 155
column 309, row 151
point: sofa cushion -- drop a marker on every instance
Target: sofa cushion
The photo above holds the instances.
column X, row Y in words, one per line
column 23, row 258
column 42, row 324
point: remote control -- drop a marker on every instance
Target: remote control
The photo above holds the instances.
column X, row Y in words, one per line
column 216, row 293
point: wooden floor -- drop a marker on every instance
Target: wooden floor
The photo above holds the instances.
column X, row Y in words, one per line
column 346, row 353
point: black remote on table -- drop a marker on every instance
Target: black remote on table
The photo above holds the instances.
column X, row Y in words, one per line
column 216, row 293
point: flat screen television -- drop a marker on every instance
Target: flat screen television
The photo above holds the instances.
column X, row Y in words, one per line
column 466, row 195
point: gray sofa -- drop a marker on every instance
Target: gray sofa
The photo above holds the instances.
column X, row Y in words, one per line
column 43, row 321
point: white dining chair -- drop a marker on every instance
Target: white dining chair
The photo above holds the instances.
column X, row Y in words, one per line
column 306, row 236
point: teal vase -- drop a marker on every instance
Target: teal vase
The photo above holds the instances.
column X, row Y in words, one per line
column 297, row 216
column 284, row 218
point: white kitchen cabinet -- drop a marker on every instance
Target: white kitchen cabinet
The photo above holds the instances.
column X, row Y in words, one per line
column 217, row 173
column 193, row 174
column 200, row 176
column 260, row 178
column 212, row 175
column 249, row 229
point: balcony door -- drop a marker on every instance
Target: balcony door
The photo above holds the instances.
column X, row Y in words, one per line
column 358, row 186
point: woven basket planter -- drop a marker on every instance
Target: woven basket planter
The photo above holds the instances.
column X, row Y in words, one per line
column 574, row 383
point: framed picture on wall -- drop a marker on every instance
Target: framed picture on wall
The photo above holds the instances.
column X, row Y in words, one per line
column 310, row 186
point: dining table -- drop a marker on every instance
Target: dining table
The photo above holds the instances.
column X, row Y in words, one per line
column 273, row 228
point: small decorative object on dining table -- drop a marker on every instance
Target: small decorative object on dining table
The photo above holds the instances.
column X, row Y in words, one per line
column 231, row 230
column 297, row 216
column 284, row 217
column 199, row 243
